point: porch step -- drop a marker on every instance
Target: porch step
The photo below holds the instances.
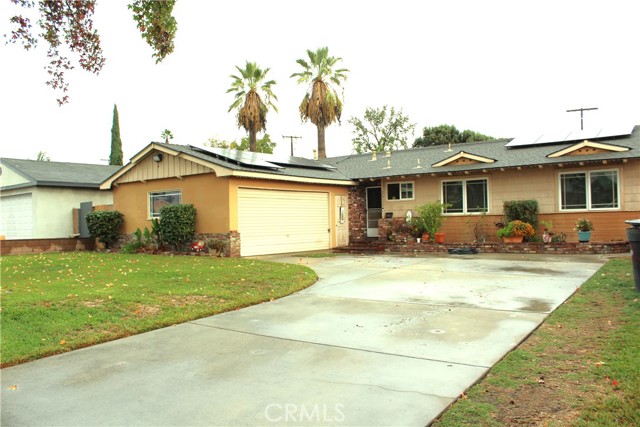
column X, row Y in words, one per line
column 367, row 247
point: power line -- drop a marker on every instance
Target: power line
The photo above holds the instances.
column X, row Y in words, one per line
column 582, row 110
column 291, row 138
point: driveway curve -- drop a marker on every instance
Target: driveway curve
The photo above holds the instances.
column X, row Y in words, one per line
column 377, row 341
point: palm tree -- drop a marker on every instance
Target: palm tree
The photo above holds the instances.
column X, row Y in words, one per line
column 321, row 104
column 252, row 114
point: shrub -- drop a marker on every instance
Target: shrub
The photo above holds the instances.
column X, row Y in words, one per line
column 517, row 228
column 523, row 210
column 177, row 225
column 430, row 217
column 217, row 245
column 105, row 225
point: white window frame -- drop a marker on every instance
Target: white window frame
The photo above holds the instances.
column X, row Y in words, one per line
column 400, row 184
column 587, row 174
column 464, row 196
column 151, row 194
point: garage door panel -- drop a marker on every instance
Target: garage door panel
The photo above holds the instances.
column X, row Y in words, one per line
column 17, row 216
column 272, row 221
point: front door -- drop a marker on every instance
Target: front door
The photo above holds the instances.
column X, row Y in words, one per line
column 374, row 210
column 342, row 221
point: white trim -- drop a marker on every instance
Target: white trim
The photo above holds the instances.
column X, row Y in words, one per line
column 591, row 144
column 149, row 216
column 587, row 174
column 460, row 155
column 413, row 191
column 464, row 196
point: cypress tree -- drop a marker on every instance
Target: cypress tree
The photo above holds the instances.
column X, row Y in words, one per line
column 115, row 158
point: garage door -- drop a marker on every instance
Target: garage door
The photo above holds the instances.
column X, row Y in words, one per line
column 272, row 221
column 17, row 216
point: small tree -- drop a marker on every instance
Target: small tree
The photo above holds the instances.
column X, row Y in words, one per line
column 105, row 225
column 177, row 225
column 381, row 130
column 115, row 158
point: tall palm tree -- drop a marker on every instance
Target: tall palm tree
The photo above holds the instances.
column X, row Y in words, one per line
column 321, row 104
column 252, row 113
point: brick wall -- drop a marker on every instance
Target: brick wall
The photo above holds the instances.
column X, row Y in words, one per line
column 36, row 246
column 357, row 214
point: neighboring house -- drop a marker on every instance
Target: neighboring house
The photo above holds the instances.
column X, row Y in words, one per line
column 261, row 203
column 37, row 197
column 264, row 204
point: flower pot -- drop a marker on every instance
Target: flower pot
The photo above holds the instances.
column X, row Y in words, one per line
column 584, row 236
column 425, row 237
column 418, row 239
column 439, row 237
column 512, row 239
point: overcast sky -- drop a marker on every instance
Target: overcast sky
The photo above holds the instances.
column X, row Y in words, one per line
column 502, row 68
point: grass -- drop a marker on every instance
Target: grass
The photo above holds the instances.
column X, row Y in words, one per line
column 52, row 303
column 581, row 368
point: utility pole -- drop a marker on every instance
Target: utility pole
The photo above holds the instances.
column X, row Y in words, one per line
column 291, row 138
column 582, row 110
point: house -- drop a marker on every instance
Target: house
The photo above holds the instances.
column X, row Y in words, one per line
column 260, row 203
column 594, row 174
column 37, row 198
column 265, row 204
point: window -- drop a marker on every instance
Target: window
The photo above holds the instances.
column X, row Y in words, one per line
column 589, row 190
column 466, row 196
column 400, row 191
column 159, row 199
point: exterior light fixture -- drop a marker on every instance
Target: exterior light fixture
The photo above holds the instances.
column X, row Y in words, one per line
column 157, row 158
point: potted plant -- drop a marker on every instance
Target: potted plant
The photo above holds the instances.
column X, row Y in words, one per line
column 430, row 219
column 515, row 231
column 584, row 227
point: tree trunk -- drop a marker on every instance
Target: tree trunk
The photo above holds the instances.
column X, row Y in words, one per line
column 322, row 153
column 252, row 141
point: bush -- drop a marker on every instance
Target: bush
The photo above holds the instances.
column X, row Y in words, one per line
column 516, row 228
column 105, row 225
column 430, row 217
column 177, row 225
column 522, row 210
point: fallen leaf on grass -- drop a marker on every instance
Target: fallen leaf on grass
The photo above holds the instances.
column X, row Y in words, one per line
column 598, row 364
column 12, row 387
column 463, row 395
column 63, row 342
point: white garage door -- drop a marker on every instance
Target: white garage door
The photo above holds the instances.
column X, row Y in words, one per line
column 272, row 221
column 17, row 216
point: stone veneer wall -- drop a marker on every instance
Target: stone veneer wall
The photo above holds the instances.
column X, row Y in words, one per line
column 412, row 247
column 36, row 246
column 357, row 214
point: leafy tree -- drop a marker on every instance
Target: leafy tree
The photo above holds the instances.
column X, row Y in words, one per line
column 321, row 104
column 448, row 134
column 115, row 158
column 263, row 145
column 252, row 108
column 43, row 157
column 381, row 131
column 68, row 25
column 166, row 135
column 105, row 225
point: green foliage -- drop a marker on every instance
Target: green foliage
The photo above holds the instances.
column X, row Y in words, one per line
column 166, row 135
column 253, row 98
column 116, row 157
column 321, row 104
column 156, row 24
column 105, row 225
column 43, row 157
column 516, row 228
column 263, row 145
column 448, row 134
column 217, row 245
column 381, row 131
column 523, row 210
column 177, row 225
column 430, row 217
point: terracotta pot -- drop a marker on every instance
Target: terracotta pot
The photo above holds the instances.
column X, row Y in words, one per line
column 439, row 237
column 425, row 237
column 513, row 239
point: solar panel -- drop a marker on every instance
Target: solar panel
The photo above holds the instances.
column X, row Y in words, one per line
column 578, row 135
column 250, row 159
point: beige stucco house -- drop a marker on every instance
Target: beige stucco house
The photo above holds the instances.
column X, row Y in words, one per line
column 264, row 204
column 37, row 197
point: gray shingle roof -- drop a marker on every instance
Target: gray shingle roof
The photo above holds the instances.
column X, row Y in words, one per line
column 59, row 174
column 404, row 162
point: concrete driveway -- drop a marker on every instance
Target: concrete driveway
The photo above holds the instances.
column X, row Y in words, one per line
column 378, row 340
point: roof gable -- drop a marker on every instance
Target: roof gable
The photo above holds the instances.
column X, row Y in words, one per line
column 588, row 148
column 462, row 158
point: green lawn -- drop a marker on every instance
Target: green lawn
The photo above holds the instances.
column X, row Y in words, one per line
column 52, row 303
column 581, row 368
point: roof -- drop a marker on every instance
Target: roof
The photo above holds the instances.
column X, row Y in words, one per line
column 482, row 155
column 58, row 174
